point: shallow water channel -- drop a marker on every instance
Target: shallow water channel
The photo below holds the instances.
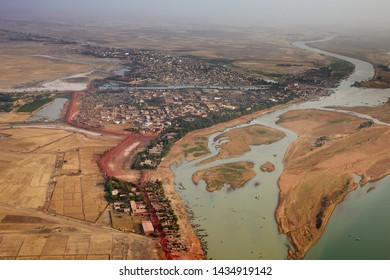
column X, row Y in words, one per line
column 235, row 224
column 51, row 112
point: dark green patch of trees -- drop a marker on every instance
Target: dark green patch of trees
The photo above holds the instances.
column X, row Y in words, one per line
column 123, row 188
column 35, row 104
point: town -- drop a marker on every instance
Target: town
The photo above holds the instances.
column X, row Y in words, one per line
column 150, row 68
column 163, row 97
column 171, row 113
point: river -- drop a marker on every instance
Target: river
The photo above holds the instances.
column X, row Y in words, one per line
column 239, row 226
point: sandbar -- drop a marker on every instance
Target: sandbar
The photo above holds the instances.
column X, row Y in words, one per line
column 233, row 175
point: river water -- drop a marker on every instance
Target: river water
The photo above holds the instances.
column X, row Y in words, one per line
column 51, row 112
column 237, row 225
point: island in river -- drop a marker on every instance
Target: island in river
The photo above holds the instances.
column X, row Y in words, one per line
column 267, row 167
column 233, row 175
column 240, row 139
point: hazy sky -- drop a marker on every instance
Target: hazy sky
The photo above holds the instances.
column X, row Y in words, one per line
column 331, row 13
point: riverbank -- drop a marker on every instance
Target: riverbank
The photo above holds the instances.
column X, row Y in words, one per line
column 318, row 175
column 381, row 113
column 183, row 149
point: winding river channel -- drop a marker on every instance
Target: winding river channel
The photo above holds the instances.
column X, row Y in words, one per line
column 240, row 224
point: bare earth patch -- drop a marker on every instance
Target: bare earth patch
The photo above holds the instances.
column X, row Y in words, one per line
column 317, row 177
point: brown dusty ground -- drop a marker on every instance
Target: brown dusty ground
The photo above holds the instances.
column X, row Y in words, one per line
column 372, row 47
column 22, row 65
column 316, row 179
column 52, row 202
column 13, row 117
column 233, row 174
column 55, row 169
column 26, row 234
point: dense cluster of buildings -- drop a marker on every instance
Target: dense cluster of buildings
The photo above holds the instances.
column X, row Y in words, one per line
column 150, row 68
column 28, row 37
column 155, row 110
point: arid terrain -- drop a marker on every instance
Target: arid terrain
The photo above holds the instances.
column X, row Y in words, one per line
column 52, row 199
column 27, row 234
column 29, row 64
column 52, row 203
column 381, row 113
column 260, row 52
column 234, row 175
column 370, row 47
column 319, row 168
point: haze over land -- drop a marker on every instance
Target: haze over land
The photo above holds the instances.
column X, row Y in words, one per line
column 332, row 14
column 162, row 81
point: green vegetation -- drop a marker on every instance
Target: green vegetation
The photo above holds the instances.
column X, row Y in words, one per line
column 66, row 95
column 341, row 69
column 32, row 102
column 124, row 190
column 233, row 174
column 336, row 121
column 366, row 124
column 200, row 154
column 215, row 184
column 383, row 67
column 36, row 104
column 179, row 129
column 200, row 148
column 6, row 102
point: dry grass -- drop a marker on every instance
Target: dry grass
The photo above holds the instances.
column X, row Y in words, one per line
column 35, row 176
column 313, row 174
column 235, row 175
column 53, row 237
column 13, row 117
column 34, row 160
column 370, row 47
column 79, row 191
column 240, row 140
column 381, row 113
column 22, row 65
